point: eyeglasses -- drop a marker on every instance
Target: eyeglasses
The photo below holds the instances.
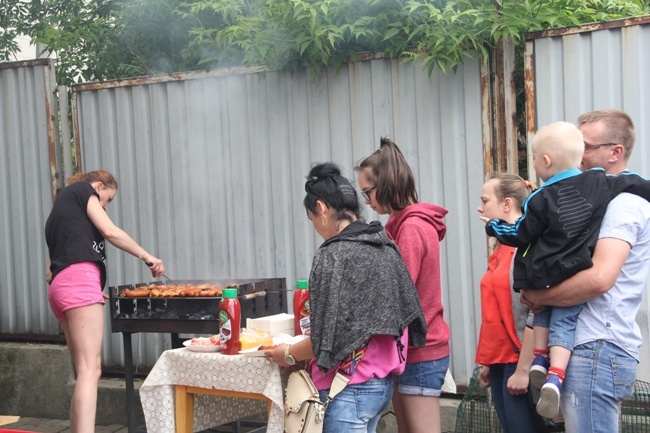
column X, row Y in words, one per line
column 596, row 146
column 366, row 193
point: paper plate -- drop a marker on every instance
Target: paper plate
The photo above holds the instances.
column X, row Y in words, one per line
column 199, row 347
column 252, row 352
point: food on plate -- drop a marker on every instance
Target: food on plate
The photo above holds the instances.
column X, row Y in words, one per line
column 271, row 347
column 253, row 338
column 201, row 341
column 203, row 344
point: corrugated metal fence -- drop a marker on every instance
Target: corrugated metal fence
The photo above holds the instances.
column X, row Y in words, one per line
column 28, row 127
column 212, row 169
column 579, row 69
column 212, row 164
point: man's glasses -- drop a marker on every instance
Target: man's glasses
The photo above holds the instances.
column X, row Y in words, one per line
column 596, row 146
column 366, row 194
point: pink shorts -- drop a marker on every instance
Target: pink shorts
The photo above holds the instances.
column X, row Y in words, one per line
column 77, row 285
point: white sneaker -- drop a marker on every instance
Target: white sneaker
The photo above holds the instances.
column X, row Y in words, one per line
column 538, row 371
column 548, row 405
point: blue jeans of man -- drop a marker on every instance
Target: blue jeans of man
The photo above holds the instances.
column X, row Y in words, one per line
column 562, row 323
column 358, row 408
column 600, row 375
column 513, row 410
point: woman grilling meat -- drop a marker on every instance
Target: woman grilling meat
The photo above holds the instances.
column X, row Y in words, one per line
column 363, row 304
column 76, row 231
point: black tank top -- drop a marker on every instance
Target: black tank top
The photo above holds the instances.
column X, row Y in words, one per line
column 70, row 235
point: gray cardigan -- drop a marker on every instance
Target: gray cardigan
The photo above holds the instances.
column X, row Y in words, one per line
column 360, row 287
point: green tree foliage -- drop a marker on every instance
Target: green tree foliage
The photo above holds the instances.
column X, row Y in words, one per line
column 286, row 33
column 106, row 39
column 155, row 37
column 102, row 39
column 12, row 14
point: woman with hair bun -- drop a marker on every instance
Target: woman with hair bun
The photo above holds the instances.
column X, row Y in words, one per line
column 387, row 184
column 363, row 306
column 75, row 232
column 505, row 343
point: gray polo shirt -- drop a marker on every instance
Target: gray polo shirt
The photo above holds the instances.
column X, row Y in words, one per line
column 611, row 316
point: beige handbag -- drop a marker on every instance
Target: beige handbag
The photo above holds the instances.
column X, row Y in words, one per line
column 304, row 412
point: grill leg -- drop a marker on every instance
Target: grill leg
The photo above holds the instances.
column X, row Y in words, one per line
column 130, row 391
column 176, row 342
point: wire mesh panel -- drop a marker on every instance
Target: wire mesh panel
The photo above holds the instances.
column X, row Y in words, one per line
column 476, row 413
column 635, row 411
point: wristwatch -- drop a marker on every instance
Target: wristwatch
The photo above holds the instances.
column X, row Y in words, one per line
column 288, row 358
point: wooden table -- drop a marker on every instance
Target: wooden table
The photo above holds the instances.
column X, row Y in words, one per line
column 189, row 391
column 184, row 410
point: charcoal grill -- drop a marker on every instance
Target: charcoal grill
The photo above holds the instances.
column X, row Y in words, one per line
column 185, row 315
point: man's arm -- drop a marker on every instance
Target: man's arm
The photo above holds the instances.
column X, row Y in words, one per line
column 609, row 256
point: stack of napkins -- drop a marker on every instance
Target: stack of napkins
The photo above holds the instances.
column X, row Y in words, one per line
column 277, row 324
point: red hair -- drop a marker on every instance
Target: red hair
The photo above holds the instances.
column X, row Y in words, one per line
column 102, row 176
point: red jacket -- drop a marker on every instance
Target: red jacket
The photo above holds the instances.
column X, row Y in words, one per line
column 417, row 230
column 498, row 342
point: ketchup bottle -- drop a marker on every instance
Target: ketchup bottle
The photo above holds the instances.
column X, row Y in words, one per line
column 229, row 322
column 301, row 308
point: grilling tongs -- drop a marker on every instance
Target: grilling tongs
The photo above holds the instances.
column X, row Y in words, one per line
column 169, row 280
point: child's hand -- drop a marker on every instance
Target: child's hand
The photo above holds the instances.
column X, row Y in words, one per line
column 484, row 219
column 535, row 308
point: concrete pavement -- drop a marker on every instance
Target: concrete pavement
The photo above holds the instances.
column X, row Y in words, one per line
column 46, row 425
column 41, row 380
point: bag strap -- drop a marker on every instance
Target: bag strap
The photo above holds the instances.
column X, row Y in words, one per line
column 342, row 378
column 350, row 363
column 338, row 384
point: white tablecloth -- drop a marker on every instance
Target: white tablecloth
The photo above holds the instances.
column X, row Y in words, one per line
column 211, row 370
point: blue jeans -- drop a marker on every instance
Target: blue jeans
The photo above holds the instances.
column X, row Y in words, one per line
column 562, row 322
column 513, row 410
column 600, row 375
column 423, row 378
column 358, row 407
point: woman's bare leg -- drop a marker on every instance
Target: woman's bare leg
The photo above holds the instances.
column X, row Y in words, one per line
column 398, row 407
column 84, row 330
column 420, row 414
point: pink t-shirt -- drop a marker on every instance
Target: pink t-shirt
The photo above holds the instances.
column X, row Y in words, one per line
column 380, row 360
